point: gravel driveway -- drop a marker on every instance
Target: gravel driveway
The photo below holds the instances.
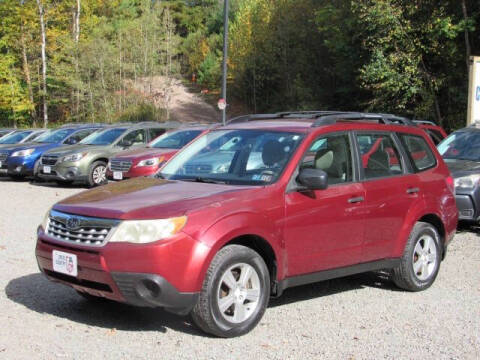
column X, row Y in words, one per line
column 359, row 317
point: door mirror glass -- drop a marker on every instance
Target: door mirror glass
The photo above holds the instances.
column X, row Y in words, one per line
column 313, row 179
column 125, row 143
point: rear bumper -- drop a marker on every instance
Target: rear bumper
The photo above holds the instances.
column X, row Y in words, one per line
column 141, row 275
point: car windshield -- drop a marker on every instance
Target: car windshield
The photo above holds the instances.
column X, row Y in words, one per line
column 105, row 137
column 461, row 145
column 54, row 137
column 15, row 138
column 241, row 157
column 175, row 140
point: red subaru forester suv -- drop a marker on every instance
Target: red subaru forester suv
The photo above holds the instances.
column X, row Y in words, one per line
column 247, row 210
column 146, row 161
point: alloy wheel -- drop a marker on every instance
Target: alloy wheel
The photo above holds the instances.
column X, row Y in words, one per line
column 424, row 257
column 239, row 293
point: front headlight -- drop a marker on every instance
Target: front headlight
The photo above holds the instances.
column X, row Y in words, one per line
column 26, row 152
column 149, row 162
column 46, row 220
column 467, row 182
column 74, row 157
column 147, row 231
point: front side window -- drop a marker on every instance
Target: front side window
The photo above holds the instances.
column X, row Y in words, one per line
column 333, row 155
column 136, row 137
column 418, row 151
column 380, row 156
column 80, row 135
column 156, row 132
column 175, row 140
column 105, row 137
column 243, row 157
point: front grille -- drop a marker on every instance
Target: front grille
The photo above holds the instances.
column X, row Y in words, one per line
column 3, row 157
column 49, row 159
column 120, row 165
column 79, row 229
column 198, row 169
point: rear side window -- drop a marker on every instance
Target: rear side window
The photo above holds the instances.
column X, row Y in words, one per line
column 156, row 132
column 419, row 152
column 380, row 156
column 436, row 136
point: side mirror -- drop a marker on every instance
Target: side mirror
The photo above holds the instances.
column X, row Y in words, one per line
column 71, row 141
column 125, row 143
column 313, row 179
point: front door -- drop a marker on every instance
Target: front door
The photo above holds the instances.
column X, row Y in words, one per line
column 324, row 228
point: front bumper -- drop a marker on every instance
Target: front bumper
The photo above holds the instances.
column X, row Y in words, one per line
column 20, row 166
column 135, row 172
column 153, row 275
column 468, row 204
column 69, row 172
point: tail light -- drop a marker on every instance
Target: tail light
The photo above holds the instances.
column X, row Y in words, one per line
column 450, row 184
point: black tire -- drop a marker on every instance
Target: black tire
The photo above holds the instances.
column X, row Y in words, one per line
column 92, row 182
column 207, row 314
column 405, row 276
column 18, row 177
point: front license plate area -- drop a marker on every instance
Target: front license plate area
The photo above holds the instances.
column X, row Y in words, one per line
column 118, row 175
column 64, row 263
column 47, row 169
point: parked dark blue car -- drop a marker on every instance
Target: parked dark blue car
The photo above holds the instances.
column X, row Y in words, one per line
column 21, row 161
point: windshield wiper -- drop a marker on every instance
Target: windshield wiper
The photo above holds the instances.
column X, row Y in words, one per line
column 204, row 180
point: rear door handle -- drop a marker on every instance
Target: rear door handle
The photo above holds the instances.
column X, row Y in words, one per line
column 414, row 190
column 356, row 200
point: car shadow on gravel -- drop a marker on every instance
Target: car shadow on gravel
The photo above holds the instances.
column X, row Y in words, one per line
column 377, row 279
column 37, row 293
column 464, row 227
column 53, row 184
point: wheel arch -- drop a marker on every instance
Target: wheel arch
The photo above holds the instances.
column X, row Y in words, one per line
column 436, row 222
column 263, row 248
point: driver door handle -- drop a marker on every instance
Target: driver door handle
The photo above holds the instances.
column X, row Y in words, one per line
column 414, row 190
column 355, row 200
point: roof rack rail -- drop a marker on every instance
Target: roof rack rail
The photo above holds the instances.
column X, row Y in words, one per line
column 326, row 117
column 424, row 122
column 82, row 125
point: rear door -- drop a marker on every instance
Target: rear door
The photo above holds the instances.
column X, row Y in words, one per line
column 391, row 187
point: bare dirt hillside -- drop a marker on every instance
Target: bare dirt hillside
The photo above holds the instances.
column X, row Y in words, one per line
column 184, row 104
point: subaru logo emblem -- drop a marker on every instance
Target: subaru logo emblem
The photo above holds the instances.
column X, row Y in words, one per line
column 73, row 223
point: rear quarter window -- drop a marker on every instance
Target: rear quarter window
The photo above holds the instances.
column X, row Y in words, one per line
column 419, row 152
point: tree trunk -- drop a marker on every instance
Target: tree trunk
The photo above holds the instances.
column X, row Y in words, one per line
column 76, row 39
column 468, row 47
column 41, row 12
column 26, row 72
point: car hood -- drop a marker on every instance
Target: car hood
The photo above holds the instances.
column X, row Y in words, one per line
column 144, row 153
column 459, row 168
column 73, row 149
column 148, row 198
column 31, row 145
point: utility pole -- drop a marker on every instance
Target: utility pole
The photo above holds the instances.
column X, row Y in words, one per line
column 222, row 104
